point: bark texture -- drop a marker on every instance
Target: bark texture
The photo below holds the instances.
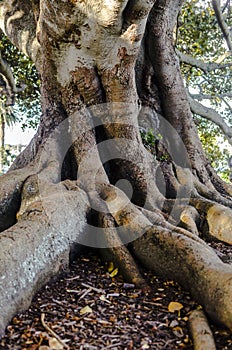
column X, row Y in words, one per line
column 200, row 331
column 87, row 178
column 34, row 250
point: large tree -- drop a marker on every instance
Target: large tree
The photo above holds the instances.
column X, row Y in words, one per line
column 86, row 178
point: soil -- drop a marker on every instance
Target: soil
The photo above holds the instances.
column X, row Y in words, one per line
column 91, row 307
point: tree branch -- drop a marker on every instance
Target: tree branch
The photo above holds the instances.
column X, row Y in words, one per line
column 212, row 115
column 223, row 57
column 205, row 66
column 7, row 82
column 227, row 5
column 226, row 103
column 18, row 22
column 201, row 97
column 10, row 88
column 222, row 24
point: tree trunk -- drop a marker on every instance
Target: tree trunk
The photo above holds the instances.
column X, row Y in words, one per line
column 2, row 142
column 86, row 177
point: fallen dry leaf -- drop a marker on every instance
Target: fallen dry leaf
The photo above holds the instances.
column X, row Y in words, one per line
column 86, row 310
column 174, row 306
column 111, row 267
column 103, row 298
column 178, row 331
column 54, row 344
column 114, row 272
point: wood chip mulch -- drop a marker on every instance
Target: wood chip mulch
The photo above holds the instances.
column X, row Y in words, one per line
column 90, row 308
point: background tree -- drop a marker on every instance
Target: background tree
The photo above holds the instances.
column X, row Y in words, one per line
column 6, row 118
column 86, row 177
column 26, row 94
column 201, row 46
column 19, row 86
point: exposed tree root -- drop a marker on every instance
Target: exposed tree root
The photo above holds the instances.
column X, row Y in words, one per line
column 135, row 220
column 218, row 218
column 209, row 212
column 115, row 250
column 212, row 195
column 10, row 195
column 53, row 215
column 192, row 264
column 189, row 219
column 33, row 250
column 119, row 254
column 170, row 251
column 184, row 257
column 20, row 185
column 200, row 331
column 206, row 190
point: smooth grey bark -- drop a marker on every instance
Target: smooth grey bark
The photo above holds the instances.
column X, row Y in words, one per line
column 86, row 55
column 37, row 248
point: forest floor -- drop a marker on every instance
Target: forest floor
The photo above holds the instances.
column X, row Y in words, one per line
column 91, row 307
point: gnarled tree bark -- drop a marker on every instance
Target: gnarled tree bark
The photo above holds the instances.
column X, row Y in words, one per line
column 86, row 177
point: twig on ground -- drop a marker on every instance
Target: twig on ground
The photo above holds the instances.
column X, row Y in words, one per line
column 87, row 291
column 93, row 288
column 72, row 278
column 49, row 330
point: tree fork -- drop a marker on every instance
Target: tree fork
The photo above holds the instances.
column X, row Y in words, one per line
column 87, row 55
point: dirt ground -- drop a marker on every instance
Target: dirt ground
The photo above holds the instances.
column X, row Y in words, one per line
column 91, row 307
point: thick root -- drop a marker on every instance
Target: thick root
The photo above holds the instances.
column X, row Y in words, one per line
column 115, row 250
column 176, row 254
column 192, row 264
column 218, row 218
column 33, row 250
column 10, row 195
column 189, row 219
column 134, row 220
column 200, row 331
column 45, row 169
column 119, row 254
column 211, row 194
column 206, row 190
